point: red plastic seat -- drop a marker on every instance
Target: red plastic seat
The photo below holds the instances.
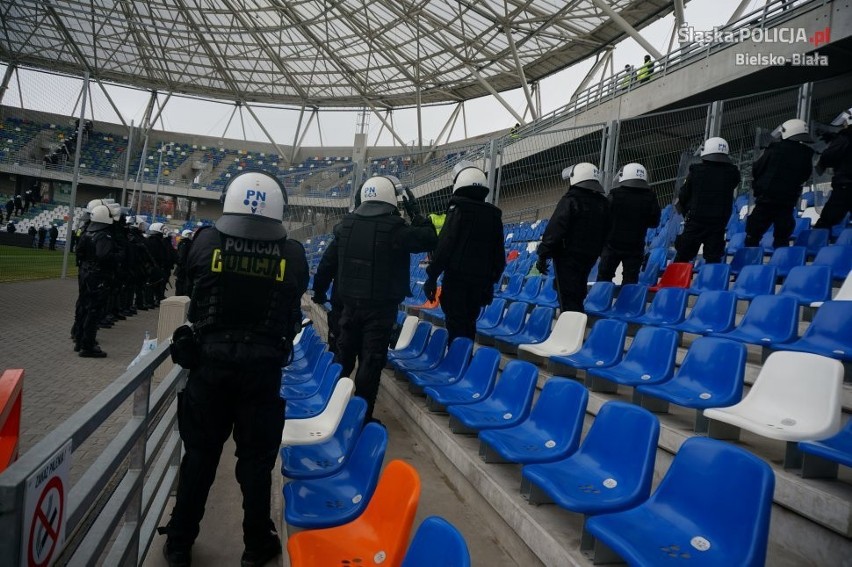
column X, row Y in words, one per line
column 677, row 274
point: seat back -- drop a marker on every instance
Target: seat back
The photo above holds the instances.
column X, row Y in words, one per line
column 845, row 292
column 457, row 356
column 786, row 258
column 755, row 280
column 808, row 283
column 833, row 320
column 606, row 341
column 538, row 323
column 493, row 313
column 419, row 340
column 668, row 305
column 718, row 365
column 630, row 301
column 365, row 463
column 716, row 309
column 515, row 387
column 838, row 258
column 531, row 288
column 677, row 274
column 813, row 239
column 561, row 406
column 437, row 542
column 746, row 256
column 513, row 319
column 711, row 277
column 569, row 330
column 711, row 482
column 513, row 288
column 599, row 297
column 653, row 349
column 736, row 241
column 409, row 325
column 482, row 370
column 775, row 317
column 845, row 238
column 547, row 293
column 437, row 345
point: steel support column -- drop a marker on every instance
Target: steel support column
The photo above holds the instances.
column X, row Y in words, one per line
column 496, row 95
column 76, row 178
column 296, row 134
column 7, row 76
column 111, row 102
column 600, row 63
column 714, row 119
column 803, row 108
column 127, row 164
column 738, row 11
column 521, row 74
column 263, row 129
column 627, row 28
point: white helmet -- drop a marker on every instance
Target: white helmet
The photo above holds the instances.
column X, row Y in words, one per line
column 142, row 225
column 114, row 210
column 131, row 221
column 186, row 234
column 796, row 130
column 843, row 119
column 633, row 175
column 379, row 189
column 101, row 218
column 470, row 176
column 94, row 203
column 155, row 228
column 253, row 207
column 715, row 149
column 583, row 175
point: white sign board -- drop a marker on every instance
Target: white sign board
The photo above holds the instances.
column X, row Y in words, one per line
column 45, row 510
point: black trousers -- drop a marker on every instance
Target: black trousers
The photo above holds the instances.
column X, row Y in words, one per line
column 572, row 278
column 838, row 204
column 333, row 320
column 765, row 215
column 611, row 258
column 364, row 336
column 710, row 233
column 91, row 308
column 461, row 304
column 219, row 398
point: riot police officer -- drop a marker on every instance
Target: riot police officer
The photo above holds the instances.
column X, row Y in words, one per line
column 838, row 157
column 779, row 173
column 248, row 279
column 325, row 278
column 470, row 253
column 634, row 210
column 372, row 248
column 181, row 284
column 706, row 200
column 575, row 235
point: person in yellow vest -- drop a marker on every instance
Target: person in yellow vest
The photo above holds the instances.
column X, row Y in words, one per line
column 644, row 72
column 438, row 220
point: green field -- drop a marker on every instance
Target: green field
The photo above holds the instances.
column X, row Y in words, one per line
column 20, row 264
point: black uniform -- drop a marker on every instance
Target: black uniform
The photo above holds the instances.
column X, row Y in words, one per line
column 145, row 270
column 19, row 205
column 323, row 279
column 633, row 211
column 42, row 236
column 372, row 248
column 246, row 312
column 471, row 256
column 181, row 281
column 97, row 258
column 32, row 232
column 155, row 291
column 778, row 176
column 838, row 156
column 706, row 201
column 574, row 238
column 10, row 206
column 53, row 234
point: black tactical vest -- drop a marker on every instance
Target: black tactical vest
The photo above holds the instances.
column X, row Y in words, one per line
column 368, row 267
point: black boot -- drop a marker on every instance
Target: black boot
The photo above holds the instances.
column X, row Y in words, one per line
column 94, row 352
column 256, row 556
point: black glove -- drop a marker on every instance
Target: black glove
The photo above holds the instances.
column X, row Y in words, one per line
column 430, row 288
column 541, row 266
column 409, row 203
column 319, row 298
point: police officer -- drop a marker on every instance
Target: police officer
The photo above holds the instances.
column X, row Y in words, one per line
column 372, row 248
column 470, row 253
column 778, row 174
column 145, row 268
column 706, row 200
column 248, row 279
column 181, row 283
column 838, row 157
column 156, row 289
column 634, row 210
column 325, row 278
column 575, row 235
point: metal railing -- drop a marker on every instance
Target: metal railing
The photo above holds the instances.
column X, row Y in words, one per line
column 111, row 513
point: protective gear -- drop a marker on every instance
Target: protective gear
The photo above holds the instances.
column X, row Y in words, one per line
column 101, row 218
column 843, row 119
column 437, row 221
column 253, row 207
column 368, row 267
column 715, row 149
column 114, row 211
column 94, row 203
column 796, row 130
column 470, row 176
column 379, row 189
column 633, row 175
column 541, row 266
column 155, row 228
column 142, row 226
column 838, row 157
column 186, row 234
column 430, row 289
column 583, row 175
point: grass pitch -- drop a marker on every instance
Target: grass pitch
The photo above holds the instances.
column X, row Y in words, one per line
column 21, row 264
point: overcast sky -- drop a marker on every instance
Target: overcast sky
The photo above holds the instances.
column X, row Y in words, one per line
column 55, row 94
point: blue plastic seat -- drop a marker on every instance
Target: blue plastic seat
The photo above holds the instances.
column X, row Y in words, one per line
column 547, row 296
column 434, row 313
column 508, row 405
column 713, row 312
column 309, row 407
column 753, row 281
column 551, row 432
column 667, row 308
column 530, row 290
column 735, row 241
column 611, row 471
column 845, row 238
column 786, row 258
column 302, row 370
column 513, row 287
column 603, row 347
column 599, row 298
column 812, row 239
column 431, row 357
column 416, row 346
column 712, row 508
column 746, row 256
column 493, row 314
column 298, row 388
column 808, row 284
column 838, row 258
column 535, row 330
column 802, row 224
column 324, row 459
column 710, row 277
column 650, row 359
column 829, row 334
column 629, row 303
column 449, row 370
column 437, row 543
column 512, row 322
column 476, row 383
column 341, row 497
column 769, row 319
column 836, row 449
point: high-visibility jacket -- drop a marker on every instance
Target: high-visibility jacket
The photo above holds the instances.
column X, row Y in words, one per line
column 644, row 72
column 438, row 221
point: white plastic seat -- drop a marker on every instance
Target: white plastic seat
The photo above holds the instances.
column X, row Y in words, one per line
column 844, row 294
column 565, row 338
column 407, row 331
column 319, row 428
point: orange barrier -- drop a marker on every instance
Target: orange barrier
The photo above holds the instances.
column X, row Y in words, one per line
column 379, row 536
column 11, row 386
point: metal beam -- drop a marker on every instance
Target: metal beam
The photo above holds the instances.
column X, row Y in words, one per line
column 678, row 13
column 296, row 134
column 738, row 11
column 159, row 111
column 521, row 74
column 388, row 126
column 298, row 146
column 627, row 28
column 111, row 103
column 263, row 128
column 75, row 179
column 127, row 164
column 496, row 95
column 7, row 76
column 600, row 63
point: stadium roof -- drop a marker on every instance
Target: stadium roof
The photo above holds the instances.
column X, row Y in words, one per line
column 323, row 53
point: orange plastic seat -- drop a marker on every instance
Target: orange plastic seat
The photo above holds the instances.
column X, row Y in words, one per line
column 379, row 536
column 431, row 304
column 677, row 274
column 11, row 386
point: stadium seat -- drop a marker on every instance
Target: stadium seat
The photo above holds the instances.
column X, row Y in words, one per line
column 735, row 242
column 513, row 288
column 476, row 383
column 512, row 323
column 431, row 357
column 838, row 258
column 710, row 376
column 530, row 290
column 786, row 258
column 676, row 274
column 667, row 308
column 342, row 496
column 603, row 347
column 547, row 296
column 599, row 298
column 746, row 256
column 845, row 238
column 629, row 303
column 326, row 458
column 535, row 330
column 406, row 332
column 843, row 294
column 812, row 239
column 292, row 390
column 565, row 338
column 508, row 404
column 492, row 315
column 753, row 281
column 319, row 428
column 713, row 312
column 710, row 277
column 551, row 432
column 808, row 284
column 303, row 408
column 650, row 359
column 437, row 543
column 712, row 508
column 769, row 319
column 415, row 346
column 449, row 370
column 314, row 364
column 820, row 458
column 829, row 334
column 611, row 471
column 382, row 531
column 796, row 397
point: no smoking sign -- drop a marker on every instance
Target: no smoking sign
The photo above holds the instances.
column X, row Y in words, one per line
column 45, row 506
